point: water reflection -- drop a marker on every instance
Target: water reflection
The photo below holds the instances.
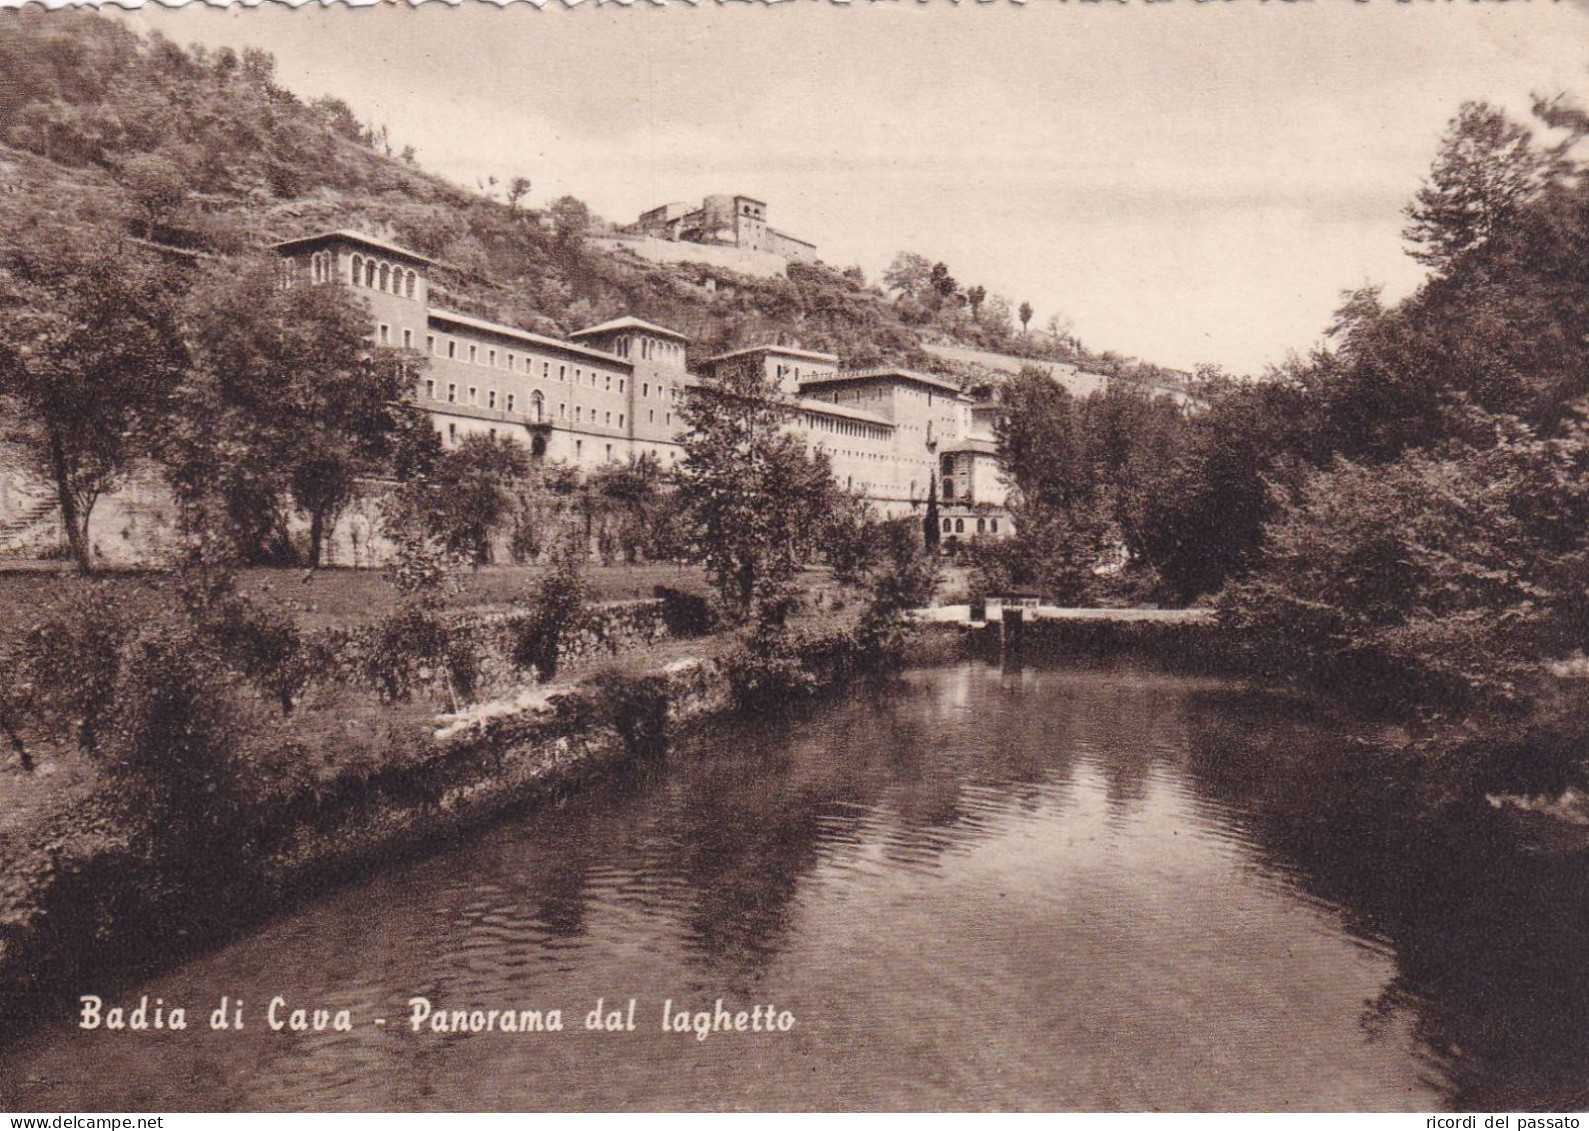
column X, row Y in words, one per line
column 975, row 888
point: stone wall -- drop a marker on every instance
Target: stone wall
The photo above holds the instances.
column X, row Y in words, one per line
column 743, row 260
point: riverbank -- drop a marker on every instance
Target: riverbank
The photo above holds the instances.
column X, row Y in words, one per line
column 87, row 891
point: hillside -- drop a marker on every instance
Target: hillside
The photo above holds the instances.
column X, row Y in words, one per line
column 203, row 150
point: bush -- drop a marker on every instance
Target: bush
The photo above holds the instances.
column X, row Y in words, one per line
column 768, row 670
column 685, row 614
column 1442, row 579
column 554, row 605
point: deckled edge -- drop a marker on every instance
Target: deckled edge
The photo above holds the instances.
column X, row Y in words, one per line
column 130, row 5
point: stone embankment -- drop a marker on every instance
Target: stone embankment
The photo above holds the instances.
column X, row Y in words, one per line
column 83, row 896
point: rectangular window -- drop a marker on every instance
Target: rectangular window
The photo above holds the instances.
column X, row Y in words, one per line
column 493, row 362
column 578, row 414
column 474, row 395
column 452, row 347
column 510, row 363
column 609, row 453
column 386, row 334
column 546, row 370
column 452, row 394
column 578, row 373
column 474, row 354
column 430, row 390
column 562, row 372
column 408, row 339
column 430, row 344
column 620, row 420
column 510, row 402
column 608, row 420
column 491, row 399
column 645, row 390
column 579, row 448
column 609, row 382
column 651, row 416
column 452, row 433
column 620, row 384
column 562, row 411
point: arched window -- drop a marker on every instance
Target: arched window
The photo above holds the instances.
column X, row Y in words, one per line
column 948, row 526
column 409, row 284
column 982, row 526
column 537, row 407
column 358, row 269
column 960, row 526
column 993, row 525
column 369, row 273
column 386, row 277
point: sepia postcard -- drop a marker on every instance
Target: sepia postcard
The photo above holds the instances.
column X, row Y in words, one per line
column 866, row 556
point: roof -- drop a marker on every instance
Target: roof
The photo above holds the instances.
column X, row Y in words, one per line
column 828, row 408
column 628, row 323
column 781, row 351
column 524, row 336
column 869, row 374
column 356, row 237
column 982, row 447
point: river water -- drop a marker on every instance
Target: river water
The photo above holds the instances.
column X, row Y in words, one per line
column 972, row 888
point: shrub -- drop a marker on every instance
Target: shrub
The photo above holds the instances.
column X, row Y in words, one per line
column 685, row 614
column 554, row 604
column 768, row 670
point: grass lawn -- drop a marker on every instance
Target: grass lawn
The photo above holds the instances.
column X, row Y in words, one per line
column 355, row 596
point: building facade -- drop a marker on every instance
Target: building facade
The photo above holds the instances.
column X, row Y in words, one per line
column 731, row 221
column 612, row 392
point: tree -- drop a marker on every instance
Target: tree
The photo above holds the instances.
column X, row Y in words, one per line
column 942, row 283
column 1487, row 167
column 518, row 189
column 908, row 275
column 469, row 494
column 931, row 535
column 89, row 361
column 284, row 406
column 626, row 497
column 975, row 297
column 752, row 499
column 158, row 185
column 1044, row 457
column 1026, row 315
column 570, row 220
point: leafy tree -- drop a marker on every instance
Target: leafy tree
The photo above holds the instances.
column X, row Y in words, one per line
column 908, row 275
column 1487, row 167
column 930, row 523
column 975, row 297
column 159, row 186
column 942, row 283
column 1449, row 574
column 1025, row 315
column 847, row 540
column 89, row 361
column 904, row 573
column 752, row 499
column 570, row 219
column 624, row 500
column 285, row 405
column 1044, row 457
column 518, row 190
column 469, row 495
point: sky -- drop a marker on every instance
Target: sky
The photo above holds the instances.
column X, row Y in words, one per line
column 1182, row 182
